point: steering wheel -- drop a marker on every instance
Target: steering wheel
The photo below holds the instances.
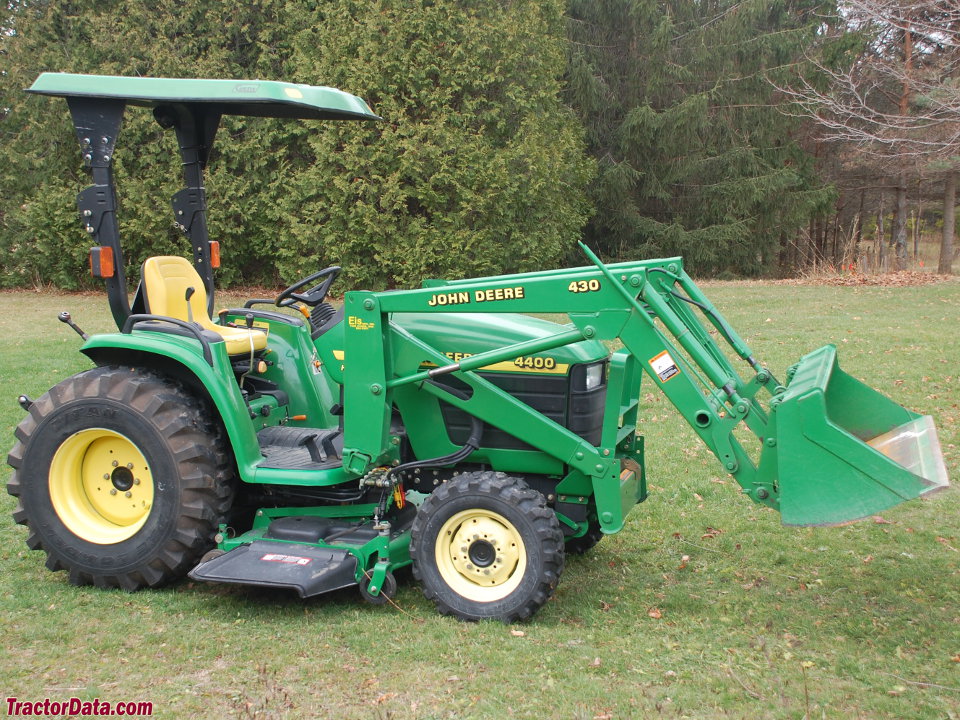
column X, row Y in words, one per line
column 315, row 295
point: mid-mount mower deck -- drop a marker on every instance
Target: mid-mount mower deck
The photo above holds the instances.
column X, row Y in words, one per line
column 442, row 427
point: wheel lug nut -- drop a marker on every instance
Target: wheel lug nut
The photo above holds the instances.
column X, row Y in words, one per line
column 113, row 491
column 115, row 463
column 136, row 481
column 128, row 494
column 129, row 466
column 106, row 476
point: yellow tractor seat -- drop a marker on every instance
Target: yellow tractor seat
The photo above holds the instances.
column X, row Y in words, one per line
column 166, row 279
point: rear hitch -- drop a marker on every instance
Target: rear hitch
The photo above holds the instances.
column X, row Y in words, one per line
column 64, row 317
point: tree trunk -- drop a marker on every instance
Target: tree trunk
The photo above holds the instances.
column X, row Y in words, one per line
column 945, row 266
column 915, row 235
column 835, row 258
column 881, row 240
column 900, row 208
column 858, row 233
column 900, row 225
column 785, row 259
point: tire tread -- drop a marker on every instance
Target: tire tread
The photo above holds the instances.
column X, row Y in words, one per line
column 196, row 444
column 512, row 491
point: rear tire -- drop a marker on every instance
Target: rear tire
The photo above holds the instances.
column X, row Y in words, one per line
column 121, row 479
column 486, row 546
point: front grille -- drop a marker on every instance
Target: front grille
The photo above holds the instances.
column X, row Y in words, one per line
column 549, row 395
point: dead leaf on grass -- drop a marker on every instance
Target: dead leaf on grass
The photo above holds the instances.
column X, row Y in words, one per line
column 943, row 541
column 655, row 613
column 904, row 278
column 517, row 633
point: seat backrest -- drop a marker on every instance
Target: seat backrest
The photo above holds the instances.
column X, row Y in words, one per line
column 165, row 281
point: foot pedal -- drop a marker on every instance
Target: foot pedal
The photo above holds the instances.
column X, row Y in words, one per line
column 307, row 569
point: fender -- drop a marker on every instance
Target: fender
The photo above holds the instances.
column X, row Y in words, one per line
column 182, row 359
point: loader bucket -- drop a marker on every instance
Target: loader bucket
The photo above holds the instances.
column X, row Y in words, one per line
column 845, row 451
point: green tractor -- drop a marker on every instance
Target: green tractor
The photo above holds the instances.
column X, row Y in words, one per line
column 290, row 443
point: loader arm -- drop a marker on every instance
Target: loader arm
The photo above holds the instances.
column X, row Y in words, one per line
column 654, row 309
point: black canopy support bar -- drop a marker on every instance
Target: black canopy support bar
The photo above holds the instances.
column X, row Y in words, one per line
column 193, row 107
column 97, row 122
column 196, row 127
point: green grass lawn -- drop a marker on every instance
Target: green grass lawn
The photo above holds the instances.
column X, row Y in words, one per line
column 759, row 620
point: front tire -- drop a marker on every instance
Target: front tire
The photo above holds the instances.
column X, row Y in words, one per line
column 586, row 542
column 486, row 546
column 121, row 479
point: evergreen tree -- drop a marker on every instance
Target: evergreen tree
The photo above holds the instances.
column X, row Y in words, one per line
column 41, row 166
column 478, row 168
column 694, row 157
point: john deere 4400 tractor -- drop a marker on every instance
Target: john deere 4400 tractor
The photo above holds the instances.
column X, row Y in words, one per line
column 443, row 427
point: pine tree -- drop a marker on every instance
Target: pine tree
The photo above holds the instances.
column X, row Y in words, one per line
column 694, row 157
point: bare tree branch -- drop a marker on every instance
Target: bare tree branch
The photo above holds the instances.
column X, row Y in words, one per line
column 898, row 93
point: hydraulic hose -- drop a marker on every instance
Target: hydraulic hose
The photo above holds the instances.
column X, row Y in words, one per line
column 472, row 444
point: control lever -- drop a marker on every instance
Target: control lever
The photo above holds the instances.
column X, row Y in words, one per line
column 64, row 317
column 186, row 296
column 248, row 320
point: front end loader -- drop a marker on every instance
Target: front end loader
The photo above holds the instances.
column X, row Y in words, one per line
column 294, row 444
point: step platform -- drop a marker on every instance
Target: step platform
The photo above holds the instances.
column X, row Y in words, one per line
column 297, row 448
column 308, row 569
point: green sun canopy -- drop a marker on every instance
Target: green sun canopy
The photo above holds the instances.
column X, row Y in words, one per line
column 264, row 98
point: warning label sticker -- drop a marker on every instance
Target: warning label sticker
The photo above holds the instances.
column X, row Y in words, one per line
column 287, row 559
column 664, row 366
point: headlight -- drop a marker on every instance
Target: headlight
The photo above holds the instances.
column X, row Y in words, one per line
column 594, row 376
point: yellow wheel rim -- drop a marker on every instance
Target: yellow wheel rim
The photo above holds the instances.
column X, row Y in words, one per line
column 101, row 486
column 480, row 555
